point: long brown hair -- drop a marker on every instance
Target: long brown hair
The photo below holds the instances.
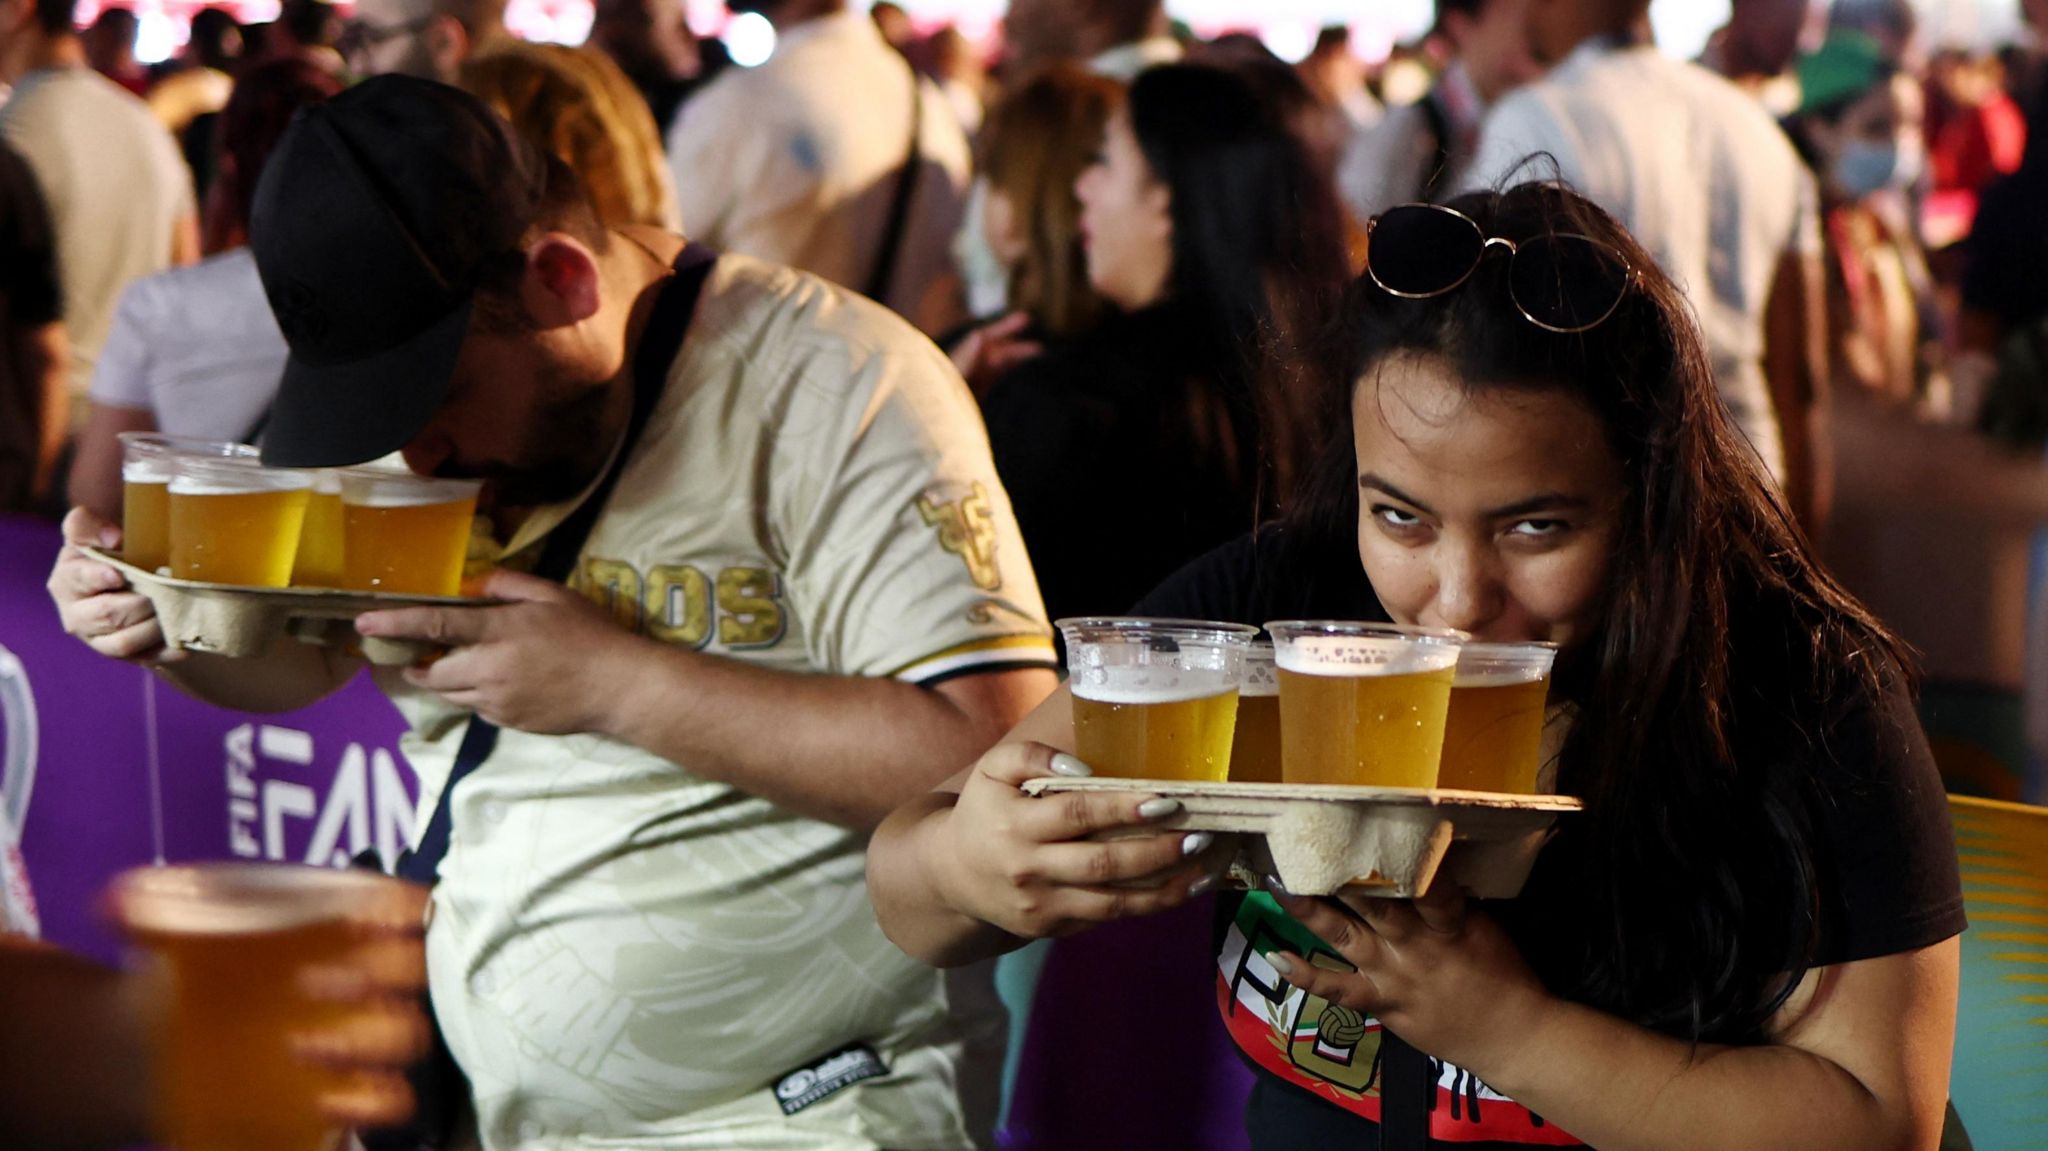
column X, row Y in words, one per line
column 1033, row 147
column 1687, row 891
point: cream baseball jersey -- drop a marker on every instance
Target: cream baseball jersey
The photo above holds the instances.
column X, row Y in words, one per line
column 624, row 955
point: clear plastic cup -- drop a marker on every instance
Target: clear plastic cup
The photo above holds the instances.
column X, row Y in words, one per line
column 1155, row 699
column 405, row 534
column 1255, row 749
column 1493, row 739
column 321, row 547
column 148, row 461
column 234, row 521
column 227, row 946
column 1363, row 704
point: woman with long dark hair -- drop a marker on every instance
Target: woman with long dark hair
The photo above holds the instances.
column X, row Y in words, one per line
column 1747, row 939
column 1220, row 242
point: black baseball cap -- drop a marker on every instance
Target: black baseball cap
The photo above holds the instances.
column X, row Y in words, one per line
column 372, row 226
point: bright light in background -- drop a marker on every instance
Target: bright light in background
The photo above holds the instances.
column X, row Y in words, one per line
column 1683, row 25
column 156, row 37
column 751, row 39
column 1290, row 42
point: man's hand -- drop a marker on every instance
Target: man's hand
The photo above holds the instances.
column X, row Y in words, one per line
column 94, row 599
column 528, row 664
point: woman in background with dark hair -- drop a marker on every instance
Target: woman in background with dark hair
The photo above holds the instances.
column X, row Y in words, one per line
column 195, row 351
column 1746, row 939
column 1220, row 243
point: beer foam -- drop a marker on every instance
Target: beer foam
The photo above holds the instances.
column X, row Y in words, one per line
column 1258, row 688
column 258, row 484
column 1129, row 685
column 1500, row 677
column 1347, row 655
column 405, row 498
column 237, row 899
column 147, row 471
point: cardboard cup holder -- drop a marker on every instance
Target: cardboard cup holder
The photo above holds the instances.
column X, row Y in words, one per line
column 242, row 622
column 1390, row 841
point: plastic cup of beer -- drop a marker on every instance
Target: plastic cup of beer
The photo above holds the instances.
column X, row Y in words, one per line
column 234, row 521
column 1155, row 699
column 319, row 562
column 1493, row 740
column 1255, row 749
column 405, row 534
column 148, row 462
column 224, row 948
column 1363, row 704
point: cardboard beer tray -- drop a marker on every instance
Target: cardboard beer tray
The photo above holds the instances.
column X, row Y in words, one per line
column 1391, row 840
column 236, row 621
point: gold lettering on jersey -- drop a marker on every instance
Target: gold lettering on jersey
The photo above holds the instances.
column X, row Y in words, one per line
column 967, row 528
column 679, row 605
column 613, row 585
column 749, row 614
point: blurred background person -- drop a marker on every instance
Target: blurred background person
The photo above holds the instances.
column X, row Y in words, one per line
column 1220, row 244
column 204, row 75
column 117, row 191
column 196, row 351
column 1420, row 150
column 1859, row 127
column 35, row 405
column 110, row 47
column 311, row 29
column 1037, row 142
column 575, row 103
column 2004, row 322
column 1117, row 38
column 1975, row 133
column 1337, row 77
column 895, row 26
column 1893, row 24
column 1755, row 49
column 957, row 66
column 803, row 161
column 653, row 45
column 429, row 38
column 1703, row 176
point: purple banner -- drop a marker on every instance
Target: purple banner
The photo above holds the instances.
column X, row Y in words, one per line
column 316, row 785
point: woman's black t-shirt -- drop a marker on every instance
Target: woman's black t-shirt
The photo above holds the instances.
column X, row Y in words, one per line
column 1884, row 856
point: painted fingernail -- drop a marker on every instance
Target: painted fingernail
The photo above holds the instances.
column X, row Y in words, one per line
column 1280, row 963
column 1067, row 765
column 1196, row 843
column 1158, row 808
column 110, row 537
column 1201, row 886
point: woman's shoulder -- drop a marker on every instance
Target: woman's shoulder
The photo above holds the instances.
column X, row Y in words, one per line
column 1278, row 571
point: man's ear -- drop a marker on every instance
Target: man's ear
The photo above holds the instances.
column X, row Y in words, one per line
column 447, row 46
column 562, row 284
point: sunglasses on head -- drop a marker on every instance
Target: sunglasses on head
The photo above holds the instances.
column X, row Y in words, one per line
column 1561, row 282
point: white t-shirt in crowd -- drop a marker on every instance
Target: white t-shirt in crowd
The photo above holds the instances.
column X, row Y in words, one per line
column 116, row 187
column 625, row 954
column 1390, row 161
column 197, row 347
column 1695, row 169
column 796, row 161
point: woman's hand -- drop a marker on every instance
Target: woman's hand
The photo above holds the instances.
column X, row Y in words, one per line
column 1444, row 977
column 990, row 351
column 1020, row 863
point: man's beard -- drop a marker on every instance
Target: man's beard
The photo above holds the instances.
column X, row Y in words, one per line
column 567, row 443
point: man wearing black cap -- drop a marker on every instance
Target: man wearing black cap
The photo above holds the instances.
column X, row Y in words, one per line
column 651, row 925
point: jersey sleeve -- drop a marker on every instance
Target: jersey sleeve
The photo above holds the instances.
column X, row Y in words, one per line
column 905, row 559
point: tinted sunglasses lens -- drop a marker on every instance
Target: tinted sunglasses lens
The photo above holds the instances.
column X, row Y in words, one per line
column 1567, row 283
column 1422, row 251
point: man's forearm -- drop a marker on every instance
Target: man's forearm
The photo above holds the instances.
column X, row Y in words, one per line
column 841, row 749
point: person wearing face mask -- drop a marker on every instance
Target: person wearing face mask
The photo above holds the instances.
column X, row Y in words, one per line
column 1858, row 125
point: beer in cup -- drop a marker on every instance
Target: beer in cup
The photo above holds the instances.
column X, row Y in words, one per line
column 403, row 533
column 1493, row 740
column 147, row 462
column 1363, row 703
column 225, row 946
column 1155, row 699
column 1255, row 749
column 234, row 521
column 318, row 563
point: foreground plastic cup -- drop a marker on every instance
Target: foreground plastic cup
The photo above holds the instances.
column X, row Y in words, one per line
column 405, row 534
column 148, row 463
column 319, row 562
column 227, row 945
column 1363, row 703
column 235, row 521
column 1255, row 749
column 1493, row 739
column 1155, row 699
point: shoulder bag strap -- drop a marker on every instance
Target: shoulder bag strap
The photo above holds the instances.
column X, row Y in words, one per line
column 884, row 273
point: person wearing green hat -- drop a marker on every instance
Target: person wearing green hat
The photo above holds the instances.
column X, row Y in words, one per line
column 1859, row 127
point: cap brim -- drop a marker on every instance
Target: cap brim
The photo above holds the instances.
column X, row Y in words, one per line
column 334, row 415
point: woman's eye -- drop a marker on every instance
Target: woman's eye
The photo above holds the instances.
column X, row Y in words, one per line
column 1539, row 529
column 1394, row 517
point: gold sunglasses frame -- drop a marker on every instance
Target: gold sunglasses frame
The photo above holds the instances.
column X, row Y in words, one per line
column 1514, row 250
